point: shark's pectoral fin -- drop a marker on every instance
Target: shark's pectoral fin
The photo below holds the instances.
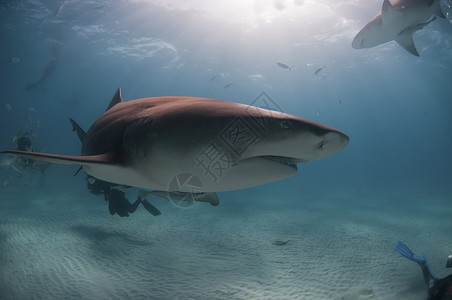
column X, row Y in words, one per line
column 388, row 12
column 406, row 41
column 405, row 37
column 107, row 158
column 212, row 198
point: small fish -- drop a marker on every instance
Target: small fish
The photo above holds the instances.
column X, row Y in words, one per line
column 340, row 101
column 319, row 69
column 284, row 66
column 228, row 85
column 214, row 77
column 31, row 109
column 14, row 60
column 38, row 124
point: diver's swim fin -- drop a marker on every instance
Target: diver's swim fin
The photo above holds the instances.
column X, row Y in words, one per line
column 405, row 251
column 429, row 276
column 150, row 208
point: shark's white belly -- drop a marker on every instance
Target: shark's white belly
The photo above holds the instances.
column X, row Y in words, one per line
column 211, row 176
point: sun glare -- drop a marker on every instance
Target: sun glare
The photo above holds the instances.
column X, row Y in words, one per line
column 253, row 12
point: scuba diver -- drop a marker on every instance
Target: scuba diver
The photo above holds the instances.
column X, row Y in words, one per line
column 24, row 141
column 438, row 289
column 113, row 193
column 116, row 197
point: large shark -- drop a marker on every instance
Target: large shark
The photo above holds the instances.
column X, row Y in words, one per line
column 147, row 143
column 398, row 21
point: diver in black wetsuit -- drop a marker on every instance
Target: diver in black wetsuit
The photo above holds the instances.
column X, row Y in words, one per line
column 117, row 201
column 24, row 144
column 438, row 289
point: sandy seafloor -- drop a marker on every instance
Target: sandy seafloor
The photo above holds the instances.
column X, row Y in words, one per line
column 59, row 242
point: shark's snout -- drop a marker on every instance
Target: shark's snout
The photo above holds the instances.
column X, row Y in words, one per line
column 333, row 142
column 330, row 142
column 299, row 140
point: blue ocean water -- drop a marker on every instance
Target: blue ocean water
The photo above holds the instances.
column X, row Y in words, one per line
column 392, row 181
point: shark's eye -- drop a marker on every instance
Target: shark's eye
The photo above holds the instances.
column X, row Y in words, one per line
column 321, row 144
column 284, row 124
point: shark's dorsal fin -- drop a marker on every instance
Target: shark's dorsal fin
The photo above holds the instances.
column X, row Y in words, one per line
column 406, row 41
column 116, row 99
column 388, row 12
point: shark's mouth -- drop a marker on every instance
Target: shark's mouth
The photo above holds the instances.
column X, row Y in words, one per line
column 288, row 161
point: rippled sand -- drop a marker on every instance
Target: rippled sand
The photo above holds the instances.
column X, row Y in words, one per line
column 61, row 243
